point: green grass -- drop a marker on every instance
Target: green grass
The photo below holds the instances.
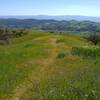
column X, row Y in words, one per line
column 40, row 66
column 86, row 52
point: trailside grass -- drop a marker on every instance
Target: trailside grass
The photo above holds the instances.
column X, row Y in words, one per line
column 40, row 66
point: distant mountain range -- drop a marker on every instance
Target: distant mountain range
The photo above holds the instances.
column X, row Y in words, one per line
column 59, row 17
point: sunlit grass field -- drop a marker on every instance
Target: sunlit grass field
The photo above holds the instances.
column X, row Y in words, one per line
column 41, row 66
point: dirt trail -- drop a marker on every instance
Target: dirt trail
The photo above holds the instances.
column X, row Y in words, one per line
column 22, row 88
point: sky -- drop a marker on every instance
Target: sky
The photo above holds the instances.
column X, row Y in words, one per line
column 50, row 7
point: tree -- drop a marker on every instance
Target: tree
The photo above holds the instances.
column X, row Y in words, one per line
column 94, row 38
column 4, row 36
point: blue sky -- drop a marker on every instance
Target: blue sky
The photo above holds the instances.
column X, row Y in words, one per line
column 50, row 7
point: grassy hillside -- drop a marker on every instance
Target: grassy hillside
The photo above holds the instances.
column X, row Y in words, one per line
column 41, row 66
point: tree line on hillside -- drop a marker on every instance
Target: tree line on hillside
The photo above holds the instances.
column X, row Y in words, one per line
column 6, row 34
column 54, row 25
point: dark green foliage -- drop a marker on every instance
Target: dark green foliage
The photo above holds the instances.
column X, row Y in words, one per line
column 94, row 38
column 61, row 55
column 6, row 34
column 59, row 40
column 20, row 32
column 28, row 45
column 86, row 52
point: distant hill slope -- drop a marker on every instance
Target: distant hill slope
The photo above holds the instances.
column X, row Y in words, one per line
column 59, row 17
column 51, row 25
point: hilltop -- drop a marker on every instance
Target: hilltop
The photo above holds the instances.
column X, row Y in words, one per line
column 41, row 65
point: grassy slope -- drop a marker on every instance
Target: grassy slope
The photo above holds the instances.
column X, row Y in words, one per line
column 30, row 69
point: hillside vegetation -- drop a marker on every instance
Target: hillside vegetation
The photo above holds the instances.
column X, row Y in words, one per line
column 49, row 66
column 52, row 25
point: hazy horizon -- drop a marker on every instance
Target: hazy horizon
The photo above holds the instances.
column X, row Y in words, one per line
column 50, row 15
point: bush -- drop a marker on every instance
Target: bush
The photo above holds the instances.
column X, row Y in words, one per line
column 86, row 52
column 59, row 40
column 19, row 33
column 7, row 34
column 94, row 38
column 61, row 55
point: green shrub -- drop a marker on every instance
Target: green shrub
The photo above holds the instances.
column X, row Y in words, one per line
column 86, row 51
column 28, row 45
column 59, row 40
column 7, row 34
column 94, row 38
column 61, row 55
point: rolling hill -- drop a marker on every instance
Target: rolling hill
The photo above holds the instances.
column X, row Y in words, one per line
column 56, row 17
column 51, row 25
column 40, row 66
